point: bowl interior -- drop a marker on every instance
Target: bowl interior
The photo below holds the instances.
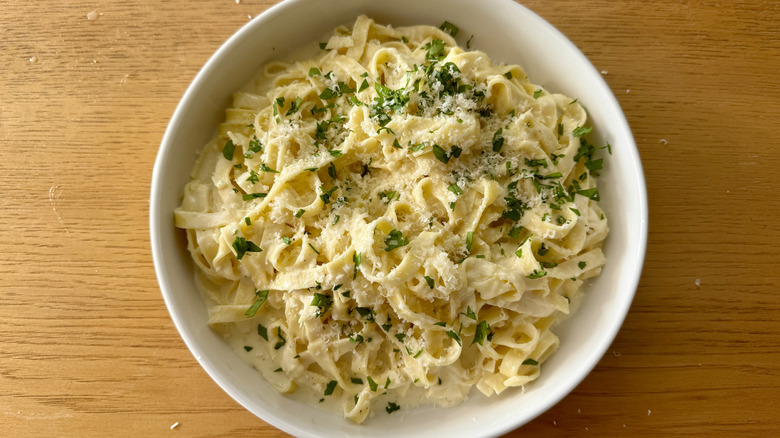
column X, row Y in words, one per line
column 509, row 33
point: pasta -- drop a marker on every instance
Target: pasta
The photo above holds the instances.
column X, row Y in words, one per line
column 395, row 221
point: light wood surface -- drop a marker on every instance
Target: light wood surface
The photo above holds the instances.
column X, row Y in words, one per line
column 87, row 347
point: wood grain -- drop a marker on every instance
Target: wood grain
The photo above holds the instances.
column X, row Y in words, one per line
column 87, row 347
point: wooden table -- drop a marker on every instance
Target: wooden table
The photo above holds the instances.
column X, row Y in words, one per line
column 87, row 347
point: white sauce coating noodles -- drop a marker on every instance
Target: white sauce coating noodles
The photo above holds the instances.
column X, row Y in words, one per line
column 396, row 216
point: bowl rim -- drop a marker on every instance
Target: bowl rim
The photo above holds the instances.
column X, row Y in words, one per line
column 159, row 224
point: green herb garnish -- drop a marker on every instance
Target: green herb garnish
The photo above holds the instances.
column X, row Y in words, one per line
column 356, row 257
column 243, row 246
column 295, row 106
column 581, row 131
column 480, row 333
column 228, row 150
column 392, row 407
column 498, row 140
column 331, row 386
column 282, row 341
column 262, row 295
column 440, row 154
column 590, row 193
column 322, row 301
column 454, row 188
column 449, row 28
column 395, row 240
column 251, row 196
column 262, row 331
column 371, row 383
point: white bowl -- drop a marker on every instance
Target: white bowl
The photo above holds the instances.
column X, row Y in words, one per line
column 509, row 33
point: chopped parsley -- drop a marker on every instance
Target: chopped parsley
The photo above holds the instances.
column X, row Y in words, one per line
column 295, row 106
column 300, row 213
column 453, row 335
column 356, row 257
column 480, row 333
column 331, row 386
column 282, row 341
column 371, row 384
column 443, row 155
column 262, row 295
column 248, row 348
column 367, row 313
column 395, row 240
column 286, row 240
column 440, row 154
column 449, row 28
column 454, row 188
column 251, row 196
column 498, row 140
column 262, row 331
column 314, row 71
column 538, row 93
column 429, row 280
column 590, row 193
column 253, row 177
column 356, row 380
column 582, row 265
column 228, row 150
column 388, row 196
column 469, row 241
column 254, row 146
column 265, row 168
column 515, row 232
column 326, row 194
column 530, row 362
column 434, row 50
column 537, row 274
column 392, row 407
column 243, row 246
column 323, row 303
column 581, row 131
